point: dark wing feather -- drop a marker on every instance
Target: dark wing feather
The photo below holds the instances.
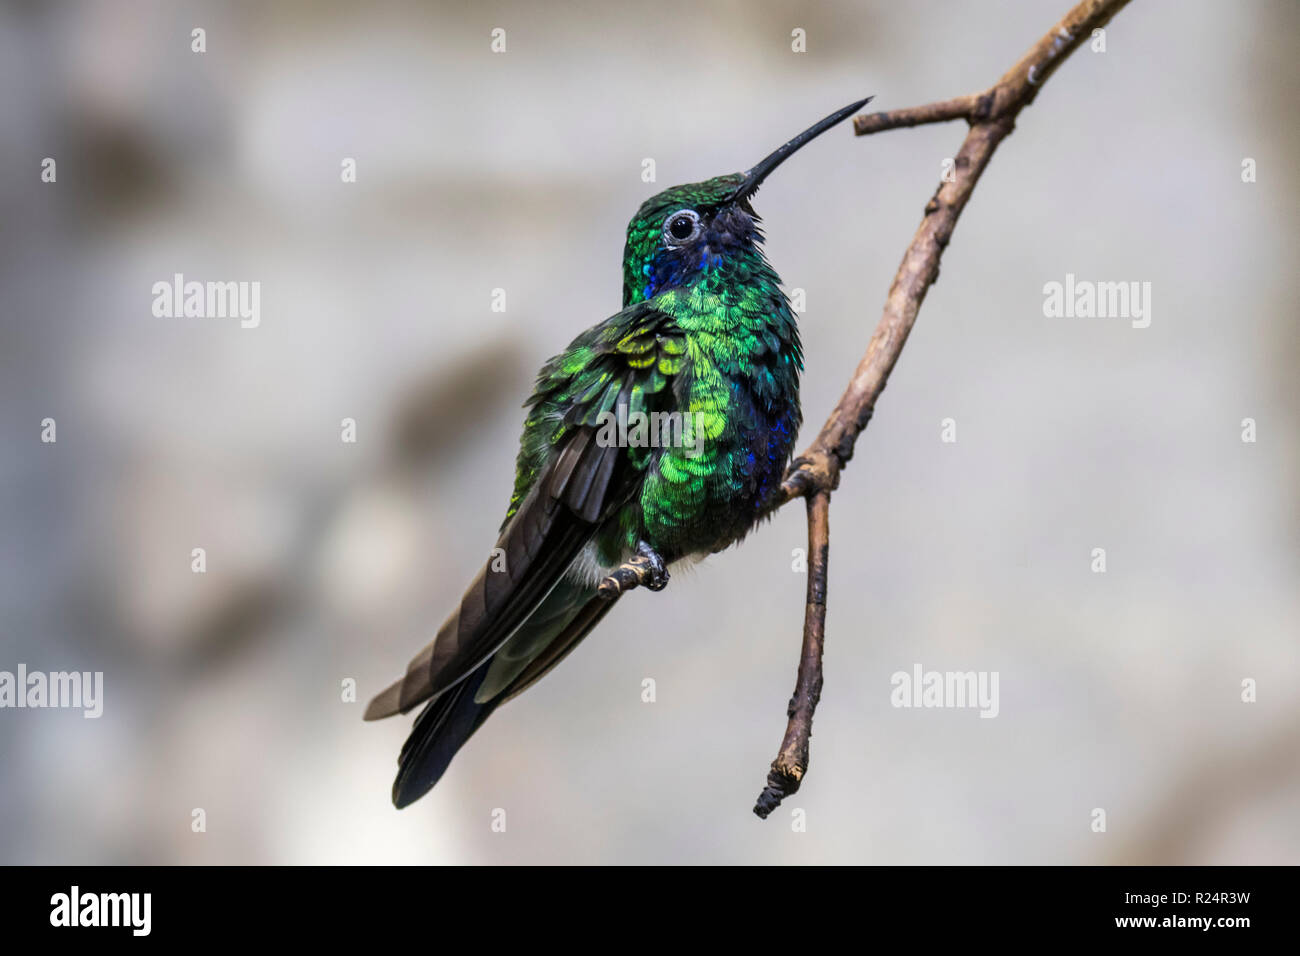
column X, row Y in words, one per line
column 559, row 649
column 568, row 484
column 539, row 543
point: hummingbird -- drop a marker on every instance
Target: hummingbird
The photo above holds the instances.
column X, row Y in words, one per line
column 706, row 346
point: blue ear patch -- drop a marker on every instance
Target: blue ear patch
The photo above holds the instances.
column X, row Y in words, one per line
column 670, row 269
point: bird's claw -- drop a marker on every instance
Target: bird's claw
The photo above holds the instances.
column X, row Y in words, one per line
column 807, row 476
column 644, row 569
column 657, row 578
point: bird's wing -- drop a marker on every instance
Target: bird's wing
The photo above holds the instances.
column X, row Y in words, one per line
column 586, row 618
column 569, row 482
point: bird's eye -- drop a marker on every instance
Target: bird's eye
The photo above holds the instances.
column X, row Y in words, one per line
column 681, row 227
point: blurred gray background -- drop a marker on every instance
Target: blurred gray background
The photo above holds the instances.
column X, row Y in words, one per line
column 476, row 171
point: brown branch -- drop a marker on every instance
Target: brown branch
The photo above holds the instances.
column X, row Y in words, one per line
column 816, row 472
column 789, row 766
column 962, row 107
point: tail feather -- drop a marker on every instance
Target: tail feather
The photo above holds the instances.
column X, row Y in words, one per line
column 451, row 718
column 442, row 728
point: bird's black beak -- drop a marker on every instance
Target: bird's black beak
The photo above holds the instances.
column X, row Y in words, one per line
column 754, row 177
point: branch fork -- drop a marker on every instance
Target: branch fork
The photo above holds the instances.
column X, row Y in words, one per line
column 991, row 116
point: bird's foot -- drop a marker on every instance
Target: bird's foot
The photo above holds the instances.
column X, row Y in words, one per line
column 644, row 569
column 809, row 474
column 658, row 579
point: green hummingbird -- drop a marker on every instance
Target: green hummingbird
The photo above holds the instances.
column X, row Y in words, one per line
column 663, row 432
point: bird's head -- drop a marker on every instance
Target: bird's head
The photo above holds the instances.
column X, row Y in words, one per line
column 687, row 230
